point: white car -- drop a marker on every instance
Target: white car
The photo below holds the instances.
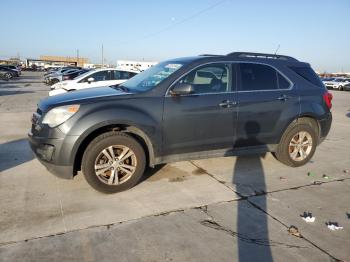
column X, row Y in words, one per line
column 93, row 78
column 337, row 83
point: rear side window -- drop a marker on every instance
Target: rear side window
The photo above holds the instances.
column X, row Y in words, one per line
column 308, row 74
column 122, row 75
column 255, row 77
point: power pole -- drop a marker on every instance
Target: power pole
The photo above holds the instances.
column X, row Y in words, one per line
column 102, row 56
column 77, row 57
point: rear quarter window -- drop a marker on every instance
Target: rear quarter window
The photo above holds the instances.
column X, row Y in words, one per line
column 308, row 74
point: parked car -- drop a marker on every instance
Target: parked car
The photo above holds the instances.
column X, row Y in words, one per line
column 52, row 74
column 54, row 70
column 182, row 109
column 5, row 74
column 58, row 77
column 93, row 78
column 13, row 72
column 72, row 75
column 16, row 68
column 336, row 83
column 346, row 87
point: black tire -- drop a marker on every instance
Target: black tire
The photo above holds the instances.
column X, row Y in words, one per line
column 8, row 76
column 54, row 81
column 97, row 145
column 282, row 153
column 341, row 88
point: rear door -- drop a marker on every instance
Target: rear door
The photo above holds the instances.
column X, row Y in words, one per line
column 268, row 102
column 204, row 120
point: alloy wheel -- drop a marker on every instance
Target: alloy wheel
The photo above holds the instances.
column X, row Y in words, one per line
column 300, row 146
column 115, row 164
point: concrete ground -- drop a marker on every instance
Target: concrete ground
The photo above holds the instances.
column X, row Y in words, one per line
column 222, row 209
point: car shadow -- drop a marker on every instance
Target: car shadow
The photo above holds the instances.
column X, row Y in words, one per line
column 149, row 172
column 249, row 170
column 14, row 153
column 10, row 93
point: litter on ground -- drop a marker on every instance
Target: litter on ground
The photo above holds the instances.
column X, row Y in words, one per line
column 307, row 217
column 293, row 230
column 310, row 174
column 333, row 226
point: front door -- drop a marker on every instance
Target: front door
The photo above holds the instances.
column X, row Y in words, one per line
column 205, row 119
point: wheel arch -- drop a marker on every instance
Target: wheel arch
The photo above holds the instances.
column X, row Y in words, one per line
column 133, row 131
column 304, row 118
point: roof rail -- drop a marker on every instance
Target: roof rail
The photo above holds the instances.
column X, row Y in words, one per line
column 262, row 55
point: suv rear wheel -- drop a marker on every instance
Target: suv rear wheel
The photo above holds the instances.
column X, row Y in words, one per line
column 113, row 162
column 297, row 145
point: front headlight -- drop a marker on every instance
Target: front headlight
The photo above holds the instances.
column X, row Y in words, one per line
column 59, row 115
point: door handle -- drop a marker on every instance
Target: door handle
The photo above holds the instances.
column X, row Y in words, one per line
column 283, row 98
column 227, row 103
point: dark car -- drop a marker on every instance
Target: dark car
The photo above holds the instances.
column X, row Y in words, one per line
column 5, row 74
column 346, row 87
column 11, row 71
column 16, row 68
column 181, row 109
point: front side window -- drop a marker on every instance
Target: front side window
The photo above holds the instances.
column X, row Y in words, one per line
column 257, row 77
column 208, row 79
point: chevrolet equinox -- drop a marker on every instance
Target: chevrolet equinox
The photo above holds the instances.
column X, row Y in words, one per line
column 181, row 109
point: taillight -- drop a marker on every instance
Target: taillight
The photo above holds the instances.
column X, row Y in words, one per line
column 65, row 77
column 327, row 97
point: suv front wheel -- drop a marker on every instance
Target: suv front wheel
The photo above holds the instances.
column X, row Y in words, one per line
column 297, row 145
column 113, row 162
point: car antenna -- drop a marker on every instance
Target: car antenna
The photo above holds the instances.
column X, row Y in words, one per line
column 278, row 47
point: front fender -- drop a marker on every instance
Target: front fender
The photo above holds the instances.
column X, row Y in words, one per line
column 144, row 122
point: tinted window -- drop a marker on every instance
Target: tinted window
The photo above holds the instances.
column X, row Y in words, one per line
column 261, row 77
column 122, row 75
column 308, row 74
column 283, row 83
column 257, row 77
column 208, row 79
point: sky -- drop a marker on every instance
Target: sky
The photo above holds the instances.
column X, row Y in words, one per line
column 314, row 31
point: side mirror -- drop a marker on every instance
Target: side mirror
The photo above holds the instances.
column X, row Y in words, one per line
column 90, row 79
column 182, row 89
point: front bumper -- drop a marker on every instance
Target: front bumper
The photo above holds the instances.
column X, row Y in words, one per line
column 54, row 154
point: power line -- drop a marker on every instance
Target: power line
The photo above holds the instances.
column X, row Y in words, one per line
column 169, row 27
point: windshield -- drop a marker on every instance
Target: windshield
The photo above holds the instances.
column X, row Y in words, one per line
column 152, row 76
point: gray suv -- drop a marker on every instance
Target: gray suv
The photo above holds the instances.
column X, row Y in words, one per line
column 186, row 108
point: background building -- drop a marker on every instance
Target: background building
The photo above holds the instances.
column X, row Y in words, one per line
column 135, row 65
column 49, row 61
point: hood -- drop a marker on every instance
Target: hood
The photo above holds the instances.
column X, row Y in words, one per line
column 79, row 97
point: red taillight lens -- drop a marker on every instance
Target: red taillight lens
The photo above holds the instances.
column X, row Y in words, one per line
column 66, row 78
column 327, row 97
